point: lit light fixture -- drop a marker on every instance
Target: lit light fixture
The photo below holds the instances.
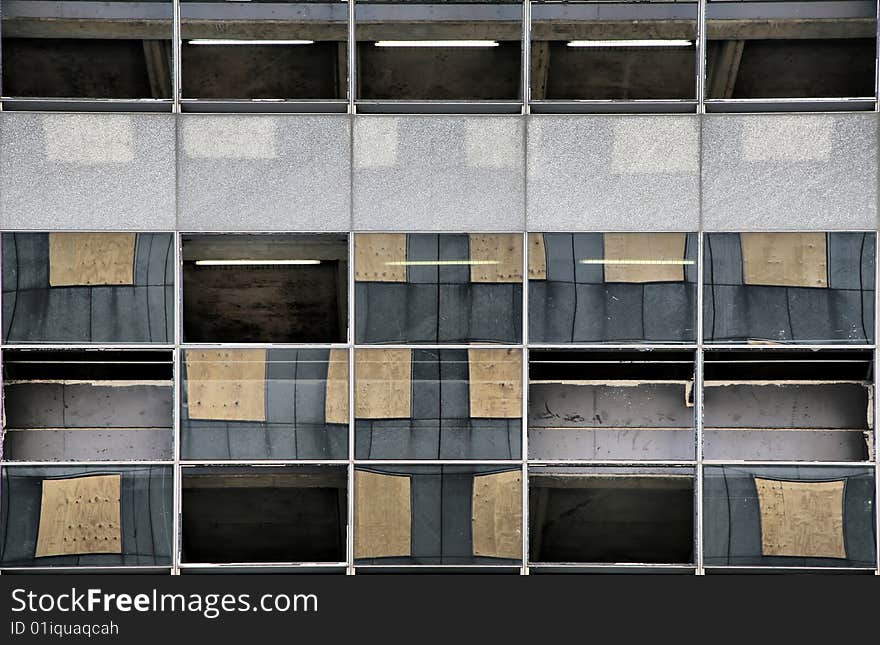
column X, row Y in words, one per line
column 630, row 43
column 437, row 43
column 434, row 263
column 604, row 261
column 221, row 263
column 221, row 41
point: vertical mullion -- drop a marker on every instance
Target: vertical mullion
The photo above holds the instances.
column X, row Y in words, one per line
column 176, row 63
column 877, row 62
column 701, row 56
column 876, row 417
column 178, row 357
column 352, row 62
column 524, row 442
column 698, row 413
column 349, row 539
column 526, row 92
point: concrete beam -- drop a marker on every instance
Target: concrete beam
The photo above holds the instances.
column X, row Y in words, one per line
column 158, row 29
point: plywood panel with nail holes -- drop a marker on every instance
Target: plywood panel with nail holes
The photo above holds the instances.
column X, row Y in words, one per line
column 226, row 384
column 802, row 519
column 383, row 383
column 496, row 515
column 495, row 382
column 77, row 259
column 662, row 254
column 380, row 257
column 537, row 257
column 785, row 259
column 336, row 399
column 79, row 515
column 496, row 258
column 382, row 515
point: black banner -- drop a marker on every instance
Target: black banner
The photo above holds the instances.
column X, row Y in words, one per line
column 411, row 608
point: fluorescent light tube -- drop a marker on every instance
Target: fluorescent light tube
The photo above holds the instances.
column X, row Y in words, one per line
column 221, row 263
column 434, row 263
column 630, row 43
column 221, row 41
column 437, row 43
column 603, row 261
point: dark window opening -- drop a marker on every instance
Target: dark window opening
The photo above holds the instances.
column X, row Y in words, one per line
column 277, row 515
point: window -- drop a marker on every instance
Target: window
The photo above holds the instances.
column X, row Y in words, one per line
column 789, row 287
column 265, row 288
column 421, row 288
column 612, row 287
column 88, row 287
column 599, row 50
column 97, row 50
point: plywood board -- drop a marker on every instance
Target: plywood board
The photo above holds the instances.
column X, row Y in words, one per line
column 496, row 258
column 77, row 259
column 380, row 257
column 226, row 384
column 537, row 257
column 383, row 383
column 496, row 515
column 79, row 515
column 802, row 519
column 644, row 257
column 495, row 382
column 336, row 399
column 382, row 515
column 785, row 259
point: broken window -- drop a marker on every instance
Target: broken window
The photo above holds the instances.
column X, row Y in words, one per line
column 415, row 50
column 88, row 516
column 611, row 515
column 265, row 288
column 789, row 287
column 95, row 50
column 612, row 287
column 781, row 49
column 438, row 404
column 788, row 405
column 426, row 288
column 611, row 405
column 281, row 515
column 803, row 516
column 435, row 515
column 67, row 405
column 88, row 287
column 599, row 50
column 264, row 404
column 264, row 50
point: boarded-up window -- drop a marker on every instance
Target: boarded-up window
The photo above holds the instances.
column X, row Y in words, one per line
column 336, row 399
column 537, row 257
column 79, row 515
column 496, row 258
column 383, row 380
column 382, row 514
column 495, row 378
column 785, row 259
column 380, row 257
column 497, row 515
column 802, row 519
column 226, row 385
column 644, row 257
column 77, row 259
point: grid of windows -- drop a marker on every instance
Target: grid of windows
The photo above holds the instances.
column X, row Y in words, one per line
column 498, row 56
column 536, row 402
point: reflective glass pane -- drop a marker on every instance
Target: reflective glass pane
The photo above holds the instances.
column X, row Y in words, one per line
column 264, row 404
column 438, row 404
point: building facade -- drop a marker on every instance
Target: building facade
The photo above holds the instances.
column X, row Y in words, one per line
column 357, row 287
